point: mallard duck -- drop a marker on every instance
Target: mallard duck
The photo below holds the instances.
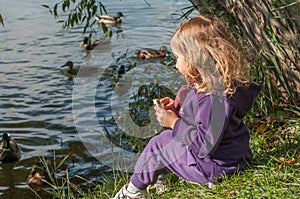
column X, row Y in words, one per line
column 150, row 53
column 70, row 70
column 90, row 45
column 9, row 149
column 121, row 71
column 85, row 71
column 41, row 174
column 110, row 20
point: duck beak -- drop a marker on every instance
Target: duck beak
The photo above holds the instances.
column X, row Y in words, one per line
column 63, row 65
column 81, row 44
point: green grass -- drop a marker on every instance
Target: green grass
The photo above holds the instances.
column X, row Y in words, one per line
column 266, row 177
column 273, row 173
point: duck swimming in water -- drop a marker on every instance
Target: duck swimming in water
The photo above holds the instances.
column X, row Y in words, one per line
column 121, row 71
column 9, row 149
column 90, row 45
column 80, row 71
column 70, row 70
column 150, row 53
column 41, row 174
column 110, row 20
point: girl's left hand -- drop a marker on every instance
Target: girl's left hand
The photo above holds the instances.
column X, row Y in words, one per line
column 168, row 103
column 166, row 118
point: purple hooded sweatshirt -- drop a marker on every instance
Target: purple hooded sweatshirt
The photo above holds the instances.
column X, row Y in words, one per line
column 209, row 140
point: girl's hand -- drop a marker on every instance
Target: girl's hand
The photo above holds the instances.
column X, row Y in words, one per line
column 168, row 103
column 166, row 118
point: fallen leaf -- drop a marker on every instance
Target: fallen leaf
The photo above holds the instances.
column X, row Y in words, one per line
column 285, row 161
column 262, row 128
column 291, row 161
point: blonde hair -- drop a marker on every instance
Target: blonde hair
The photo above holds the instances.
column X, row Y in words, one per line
column 215, row 62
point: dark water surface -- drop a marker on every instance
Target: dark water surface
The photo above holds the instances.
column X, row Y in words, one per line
column 49, row 114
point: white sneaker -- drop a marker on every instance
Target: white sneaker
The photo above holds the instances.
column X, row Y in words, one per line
column 124, row 194
column 210, row 185
column 160, row 185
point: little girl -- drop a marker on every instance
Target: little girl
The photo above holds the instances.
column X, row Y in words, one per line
column 207, row 136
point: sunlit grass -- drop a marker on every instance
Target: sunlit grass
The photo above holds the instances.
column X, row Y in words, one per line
column 274, row 172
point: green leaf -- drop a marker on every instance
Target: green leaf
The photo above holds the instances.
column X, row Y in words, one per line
column 63, row 7
column 55, row 11
column 86, row 26
column 46, row 6
column 104, row 28
column 62, row 161
column 279, row 74
column 83, row 18
column 79, row 16
column 67, row 2
column 285, row 6
column 1, row 20
column 93, row 23
column 71, row 21
column 102, row 8
column 75, row 18
column 267, row 80
column 94, row 8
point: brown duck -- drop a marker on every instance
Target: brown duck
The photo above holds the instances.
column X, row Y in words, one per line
column 151, row 53
column 41, row 174
column 90, row 45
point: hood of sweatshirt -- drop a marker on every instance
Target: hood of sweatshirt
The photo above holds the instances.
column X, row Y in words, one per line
column 244, row 98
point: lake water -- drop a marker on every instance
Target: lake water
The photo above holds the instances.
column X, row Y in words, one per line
column 51, row 115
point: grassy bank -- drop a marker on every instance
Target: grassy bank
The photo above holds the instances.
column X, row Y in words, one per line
column 274, row 172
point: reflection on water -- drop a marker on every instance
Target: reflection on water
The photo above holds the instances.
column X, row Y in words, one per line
column 38, row 102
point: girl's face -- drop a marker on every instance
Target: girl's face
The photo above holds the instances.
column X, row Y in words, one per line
column 181, row 64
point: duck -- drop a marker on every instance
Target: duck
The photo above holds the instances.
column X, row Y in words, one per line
column 41, row 174
column 110, row 20
column 80, row 71
column 121, row 71
column 151, row 53
column 90, row 45
column 71, row 70
column 9, row 149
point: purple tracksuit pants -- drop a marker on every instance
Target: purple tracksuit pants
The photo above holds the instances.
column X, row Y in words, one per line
column 163, row 154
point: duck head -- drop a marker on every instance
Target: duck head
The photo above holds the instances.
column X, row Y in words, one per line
column 9, row 149
column 163, row 49
column 121, row 71
column 120, row 14
column 69, row 64
column 5, row 141
column 40, row 173
column 85, row 41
